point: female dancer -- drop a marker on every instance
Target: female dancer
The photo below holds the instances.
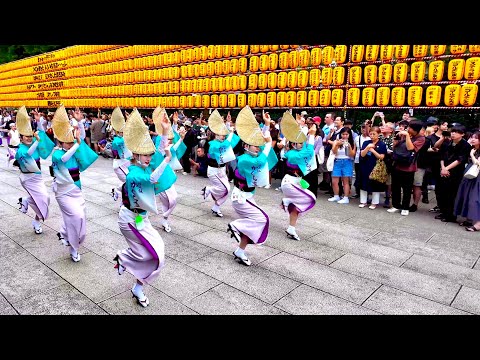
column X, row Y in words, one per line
column 167, row 138
column 252, row 170
column 121, row 154
column 220, row 152
column 68, row 161
column 145, row 255
column 299, row 161
column 28, row 159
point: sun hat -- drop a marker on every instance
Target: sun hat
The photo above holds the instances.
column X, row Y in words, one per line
column 24, row 125
column 291, row 129
column 62, row 130
column 247, row 127
column 216, row 123
column 136, row 135
column 117, row 120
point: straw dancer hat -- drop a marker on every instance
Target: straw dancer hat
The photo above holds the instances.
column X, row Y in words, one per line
column 291, row 129
column 247, row 127
column 24, row 126
column 157, row 117
column 62, row 129
column 136, row 135
column 118, row 120
column 216, row 123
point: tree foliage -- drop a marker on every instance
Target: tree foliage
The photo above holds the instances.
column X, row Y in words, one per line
column 9, row 53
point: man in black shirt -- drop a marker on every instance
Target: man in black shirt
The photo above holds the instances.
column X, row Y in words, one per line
column 454, row 157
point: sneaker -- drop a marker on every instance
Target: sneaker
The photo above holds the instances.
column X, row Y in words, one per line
column 413, row 208
column 372, row 207
column 404, row 212
column 268, row 186
column 184, row 173
column 361, row 205
column 435, row 209
column 393, row 210
column 431, row 187
column 278, row 188
column 344, row 200
column 334, row 198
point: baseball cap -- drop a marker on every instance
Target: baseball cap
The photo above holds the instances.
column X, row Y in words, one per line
column 303, row 113
column 317, row 119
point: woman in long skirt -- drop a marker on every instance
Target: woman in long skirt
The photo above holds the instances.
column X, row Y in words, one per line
column 299, row 161
column 220, row 152
column 252, row 170
column 68, row 161
column 28, row 159
column 145, row 255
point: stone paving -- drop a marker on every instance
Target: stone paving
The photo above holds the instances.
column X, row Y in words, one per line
column 350, row 260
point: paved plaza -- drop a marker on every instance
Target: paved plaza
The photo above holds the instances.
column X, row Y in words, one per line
column 350, row 260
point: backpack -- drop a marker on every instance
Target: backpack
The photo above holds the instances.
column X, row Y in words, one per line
column 401, row 155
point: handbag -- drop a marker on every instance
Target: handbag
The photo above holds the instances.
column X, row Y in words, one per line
column 379, row 172
column 472, row 172
column 330, row 161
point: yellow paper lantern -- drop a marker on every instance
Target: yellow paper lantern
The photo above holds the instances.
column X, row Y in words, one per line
column 291, row 99
column 214, row 84
column 302, row 98
column 398, row 96
column 368, row 96
column 197, row 54
column 271, row 99
column 281, row 99
column 328, row 52
column 417, row 71
column 242, row 65
column 433, row 95
column 273, row 61
column 435, row 70
column 223, row 100
column 214, row 101
column 293, row 59
column 190, row 101
column 205, row 101
column 401, row 51
column 292, row 79
column 234, row 66
column 243, row 50
column 283, row 60
column 254, row 63
column 304, row 58
column 282, row 80
column 273, row 47
column 468, row 94
column 337, row 97
column 313, row 97
column 262, row 81
column 210, row 68
column 437, row 50
column 264, row 48
column 452, row 95
column 302, row 79
column 232, row 100
column 370, row 74
column 339, row 75
column 218, row 67
column 261, row 99
column 211, row 52
column 254, row 49
column 400, row 72
column 357, row 53
column 235, row 50
column 226, row 67
column 316, row 56
column 203, row 53
column 457, row 49
column 325, row 96
column 371, row 52
column 207, row 85
column 414, row 95
column 340, row 53
column 252, row 100
column 314, row 77
column 226, row 51
column 264, row 62
column 252, row 81
column 472, row 68
column 272, row 80
column 382, row 96
column 474, row 48
column 354, row 75
column 228, row 83
column 455, row 69
column 234, row 83
column 420, row 50
column 353, row 96
column 241, row 100
column 385, row 73
column 386, row 52
column 242, row 82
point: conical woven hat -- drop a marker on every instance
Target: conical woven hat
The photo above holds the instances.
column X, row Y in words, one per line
column 290, row 129
column 136, row 135
column 247, row 127
column 62, row 129
column 24, row 125
column 216, row 123
column 118, row 120
column 157, row 117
